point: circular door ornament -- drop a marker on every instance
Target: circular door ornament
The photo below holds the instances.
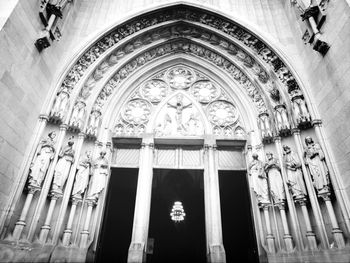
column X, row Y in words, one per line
column 180, row 78
column 222, row 113
column 154, row 90
column 205, row 91
column 137, row 111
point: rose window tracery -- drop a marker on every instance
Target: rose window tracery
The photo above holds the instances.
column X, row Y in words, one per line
column 205, row 91
column 180, row 78
column 154, row 90
column 137, row 111
column 222, row 113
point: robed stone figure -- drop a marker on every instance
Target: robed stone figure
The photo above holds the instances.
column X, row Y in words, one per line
column 44, row 154
column 294, row 173
column 259, row 180
column 63, row 167
column 315, row 161
column 83, row 175
column 273, row 171
column 99, row 176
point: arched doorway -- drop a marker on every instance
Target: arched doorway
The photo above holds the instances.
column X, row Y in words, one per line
column 152, row 90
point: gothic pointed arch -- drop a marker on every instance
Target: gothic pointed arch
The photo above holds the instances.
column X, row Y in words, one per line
column 179, row 71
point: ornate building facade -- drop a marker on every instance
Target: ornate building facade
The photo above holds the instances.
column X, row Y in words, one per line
column 94, row 91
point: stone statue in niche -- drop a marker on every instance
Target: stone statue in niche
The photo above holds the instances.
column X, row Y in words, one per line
column 315, row 161
column 282, row 122
column 60, row 105
column 99, row 177
column 273, row 171
column 301, row 114
column 77, row 118
column 294, row 173
column 94, row 122
column 82, row 176
column 264, row 125
column 43, row 156
column 259, row 179
column 66, row 158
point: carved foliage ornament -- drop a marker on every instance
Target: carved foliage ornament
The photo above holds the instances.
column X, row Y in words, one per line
column 183, row 13
column 180, row 46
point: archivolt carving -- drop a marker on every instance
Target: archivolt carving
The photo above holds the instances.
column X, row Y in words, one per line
column 92, row 55
column 181, row 46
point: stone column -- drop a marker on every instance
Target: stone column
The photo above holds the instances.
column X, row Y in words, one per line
column 341, row 195
column 310, row 235
column 337, row 233
column 76, row 234
column 270, row 239
column 21, row 223
column 288, row 241
column 45, row 229
column 67, row 233
column 47, row 184
column 85, row 232
column 311, row 192
column 137, row 249
column 291, row 206
column 212, row 207
column 68, row 189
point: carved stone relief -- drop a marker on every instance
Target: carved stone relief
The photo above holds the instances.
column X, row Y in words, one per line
column 178, row 115
column 183, row 13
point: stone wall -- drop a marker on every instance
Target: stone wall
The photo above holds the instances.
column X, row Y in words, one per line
column 25, row 80
column 329, row 79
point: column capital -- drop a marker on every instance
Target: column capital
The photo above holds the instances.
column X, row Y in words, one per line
column 301, row 201
column 277, row 139
column 210, row 147
column 281, row 206
column 76, row 200
column 325, row 196
column 296, row 131
column 317, row 123
column 63, row 127
column 147, row 144
column 43, row 117
column 55, row 195
column 91, row 201
column 81, row 135
column 98, row 143
column 32, row 189
column 265, row 206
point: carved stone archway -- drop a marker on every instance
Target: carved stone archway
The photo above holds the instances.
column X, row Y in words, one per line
column 245, row 93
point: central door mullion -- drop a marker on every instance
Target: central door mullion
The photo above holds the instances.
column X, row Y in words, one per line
column 137, row 249
column 216, row 251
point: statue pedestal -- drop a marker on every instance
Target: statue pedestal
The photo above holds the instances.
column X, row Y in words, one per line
column 136, row 253
column 217, row 254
